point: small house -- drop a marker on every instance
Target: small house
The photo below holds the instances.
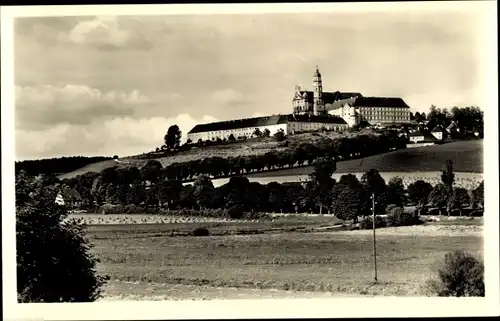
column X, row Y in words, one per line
column 416, row 136
column 439, row 132
column 69, row 196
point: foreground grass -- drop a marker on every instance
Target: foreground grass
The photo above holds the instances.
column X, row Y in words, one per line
column 142, row 263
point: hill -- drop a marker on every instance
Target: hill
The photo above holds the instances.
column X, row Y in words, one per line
column 467, row 156
column 249, row 147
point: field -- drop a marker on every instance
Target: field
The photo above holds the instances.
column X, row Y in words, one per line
column 145, row 263
column 467, row 157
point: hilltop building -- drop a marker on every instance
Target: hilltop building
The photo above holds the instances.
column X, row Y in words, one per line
column 312, row 110
column 289, row 124
column 353, row 107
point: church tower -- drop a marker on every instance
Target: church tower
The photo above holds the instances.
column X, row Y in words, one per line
column 318, row 106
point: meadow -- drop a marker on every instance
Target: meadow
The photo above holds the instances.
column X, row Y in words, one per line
column 145, row 262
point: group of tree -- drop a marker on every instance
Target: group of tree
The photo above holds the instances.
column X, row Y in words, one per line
column 348, row 198
column 56, row 165
column 466, row 118
column 444, row 195
column 54, row 261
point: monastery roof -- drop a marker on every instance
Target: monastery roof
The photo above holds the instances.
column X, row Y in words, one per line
column 263, row 121
column 394, row 102
column 330, row 97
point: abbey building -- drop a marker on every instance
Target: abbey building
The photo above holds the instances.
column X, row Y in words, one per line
column 353, row 107
column 312, row 110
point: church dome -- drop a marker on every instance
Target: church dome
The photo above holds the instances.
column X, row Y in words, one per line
column 317, row 73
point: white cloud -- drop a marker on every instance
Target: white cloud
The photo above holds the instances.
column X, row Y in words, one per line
column 122, row 136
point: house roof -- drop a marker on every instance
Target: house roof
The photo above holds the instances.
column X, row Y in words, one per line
column 451, row 126
column 69, row 193
column 330, row 97
column 264, row 121
column 416, row 134
column 438, row 129
column 393, row 102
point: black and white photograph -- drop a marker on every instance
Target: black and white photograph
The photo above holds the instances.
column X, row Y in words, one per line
column 250, row 153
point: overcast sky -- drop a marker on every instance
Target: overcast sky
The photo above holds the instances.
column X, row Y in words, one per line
column 113, row 85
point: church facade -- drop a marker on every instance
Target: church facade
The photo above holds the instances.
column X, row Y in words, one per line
column 353, row 107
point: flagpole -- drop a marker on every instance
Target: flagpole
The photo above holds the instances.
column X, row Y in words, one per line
column 374, row 242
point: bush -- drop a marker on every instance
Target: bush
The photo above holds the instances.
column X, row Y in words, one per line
column 461, row 274
column 201, row 231
column 390, row 207
column 54, row 262
column 367, row 222
column 398, row 217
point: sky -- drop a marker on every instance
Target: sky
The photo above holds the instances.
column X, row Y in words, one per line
column 112, row 85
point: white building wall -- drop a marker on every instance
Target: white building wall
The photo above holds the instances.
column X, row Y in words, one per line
column 238, row 132
column 415, row 139
column 438, row 135
column 296, row 126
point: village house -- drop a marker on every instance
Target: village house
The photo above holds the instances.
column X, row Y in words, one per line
column 70, row 197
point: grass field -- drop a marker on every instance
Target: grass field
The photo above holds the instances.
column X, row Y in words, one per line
column 144, row 263
column 467, row 157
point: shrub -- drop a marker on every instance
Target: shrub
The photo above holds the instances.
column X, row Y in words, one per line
column 390, row 207
column 201, row 231
column 367, row 222
column 461, row 274
column 54, row 262
column 398, row 217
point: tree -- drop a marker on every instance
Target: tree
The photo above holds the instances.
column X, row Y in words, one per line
column 448, row 178
column 203, row 191
column 173, row 137
column 321, row 182
column 276, row 196
column 459, row 198
column 418, row 193
column 54, row 262
column 279, row 136
column 396, row 192
column 151, row 171
column 439, row 197
column 375, row 184
column 231, row 138
column 266, row 133
column 347, row 198
column 257, row 132
column 478, row 196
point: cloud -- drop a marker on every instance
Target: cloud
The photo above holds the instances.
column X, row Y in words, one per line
column 110, row 33
column 42, row 106
column 122, row 136
column 100, row 32
column 229, row 97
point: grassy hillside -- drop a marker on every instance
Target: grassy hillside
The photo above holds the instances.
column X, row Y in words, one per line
column 240, row 148
column 466, row 155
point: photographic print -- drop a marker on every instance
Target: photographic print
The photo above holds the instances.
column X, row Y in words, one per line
column 175, row 154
